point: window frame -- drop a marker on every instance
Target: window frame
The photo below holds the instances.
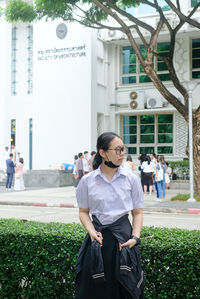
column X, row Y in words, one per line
column 139, row 74
column 191, row 60
column 155, row 145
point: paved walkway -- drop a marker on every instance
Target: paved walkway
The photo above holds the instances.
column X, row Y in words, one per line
column 65, row 197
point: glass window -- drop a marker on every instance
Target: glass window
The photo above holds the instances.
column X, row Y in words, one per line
column 148, row 133
column 132, row 150
column 165, row 150
column 132, row 70
column 13, row 60
column 147, row 150
column 196, row 58
column 194, row 2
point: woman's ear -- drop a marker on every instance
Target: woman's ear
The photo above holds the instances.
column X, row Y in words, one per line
column 102, row 153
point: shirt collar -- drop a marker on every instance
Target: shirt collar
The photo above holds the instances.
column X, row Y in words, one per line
column 120, row 171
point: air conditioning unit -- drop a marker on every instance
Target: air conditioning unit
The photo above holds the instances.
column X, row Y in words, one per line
column 154, row 103
column 137, row 100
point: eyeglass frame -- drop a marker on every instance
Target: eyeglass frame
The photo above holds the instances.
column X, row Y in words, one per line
column 118, row 150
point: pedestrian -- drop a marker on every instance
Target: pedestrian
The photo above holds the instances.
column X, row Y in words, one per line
column 90, row 161
column 168, row 173
column 142, row 158
column 128, row 164
column 160, row 177
column 104, row 267
column 86, row 168
column 18, row 155
column 10, row 170
column 79, row 168
column 148, row 170
column 5, row 157
column 14, row 152
column 19, row 180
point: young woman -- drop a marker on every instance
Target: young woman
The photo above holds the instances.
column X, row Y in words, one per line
column 148, row 169
column 161, row 165
column 128, row 164
column 108, row 265
column 19, row 180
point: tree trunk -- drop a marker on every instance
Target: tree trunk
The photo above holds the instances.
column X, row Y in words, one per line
column 196, row 152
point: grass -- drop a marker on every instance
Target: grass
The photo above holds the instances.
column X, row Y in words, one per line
column 184, row 197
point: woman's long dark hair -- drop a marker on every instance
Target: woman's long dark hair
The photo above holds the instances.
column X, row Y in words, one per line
column 103, row 142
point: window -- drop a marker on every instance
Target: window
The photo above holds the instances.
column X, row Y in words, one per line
column 194, row 2
column 132, row 71
column 30, row 59
column 13, row 60
column 148, row 133
column 196, row 58
column 13, row 131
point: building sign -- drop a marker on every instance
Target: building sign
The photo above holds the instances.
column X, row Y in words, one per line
column 62, row 53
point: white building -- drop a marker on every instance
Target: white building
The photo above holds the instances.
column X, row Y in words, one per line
column 62, row 85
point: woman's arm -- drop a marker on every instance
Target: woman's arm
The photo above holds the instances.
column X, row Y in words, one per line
column 87, row 223
column 137, row 221
column 133, row 166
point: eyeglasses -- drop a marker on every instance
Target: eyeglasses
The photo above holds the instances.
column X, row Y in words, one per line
column 118, row 150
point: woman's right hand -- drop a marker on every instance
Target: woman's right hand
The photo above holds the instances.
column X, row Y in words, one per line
column 94, row 235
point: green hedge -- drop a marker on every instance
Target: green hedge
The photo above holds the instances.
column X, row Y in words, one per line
column 180, row 168
column 37, row 260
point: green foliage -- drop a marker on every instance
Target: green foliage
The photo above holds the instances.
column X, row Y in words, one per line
column 184, row 197
column 18, row 10
column 180, row 168
column 38, row 259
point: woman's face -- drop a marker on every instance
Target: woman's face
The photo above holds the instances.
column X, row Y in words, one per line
column 115, row 152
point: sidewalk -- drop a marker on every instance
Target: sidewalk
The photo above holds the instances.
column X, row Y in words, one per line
column 65, row 197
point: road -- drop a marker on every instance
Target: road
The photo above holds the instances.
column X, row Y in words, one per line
column 67, row 215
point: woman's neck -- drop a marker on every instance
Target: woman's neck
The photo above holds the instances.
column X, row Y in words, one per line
column 107, row 171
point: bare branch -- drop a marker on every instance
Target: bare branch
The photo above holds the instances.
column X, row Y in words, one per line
column 182, row 16
column 148, row 3
column 163, row 16
column 130, row 17
column 178, row 5
column 141, row 37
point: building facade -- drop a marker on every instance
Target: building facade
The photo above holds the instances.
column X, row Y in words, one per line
column 62, row 85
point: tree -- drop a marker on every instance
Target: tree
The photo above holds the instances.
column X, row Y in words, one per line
column 103, row 14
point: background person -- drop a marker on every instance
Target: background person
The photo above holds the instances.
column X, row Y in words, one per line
column 90, row 162
column 19, row 180
column 168, row 173
column 10, row 170
column 148, row 170
column 161, row 182
column 103, row 194
column 128, row 164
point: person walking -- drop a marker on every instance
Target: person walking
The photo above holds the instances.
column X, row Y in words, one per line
column 86, row 168
column 5, row 157
column 79, row 168
column 10, row 170
column 148, row 170
column 19, row 180
column 160, row 177
column 104, row 267
column 168, row 173
column 142, row 158
column 90, row 162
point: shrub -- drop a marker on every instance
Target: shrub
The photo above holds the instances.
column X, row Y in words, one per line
column 38, row 259
column 180, row 168
column 184, row 197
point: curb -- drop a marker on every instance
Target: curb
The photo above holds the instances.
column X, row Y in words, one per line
column 38, row 204
column 70, row 205
column 194, row 211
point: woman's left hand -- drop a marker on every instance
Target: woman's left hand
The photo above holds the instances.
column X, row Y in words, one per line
column 130, row 243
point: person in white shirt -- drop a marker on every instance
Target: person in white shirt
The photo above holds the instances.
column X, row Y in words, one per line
column 148, row 170
column 168, row 173
column 86, row 168
column 5, row 157
column 108, row 193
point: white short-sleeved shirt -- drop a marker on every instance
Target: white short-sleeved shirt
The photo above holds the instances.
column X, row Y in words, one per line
column 109, row 200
